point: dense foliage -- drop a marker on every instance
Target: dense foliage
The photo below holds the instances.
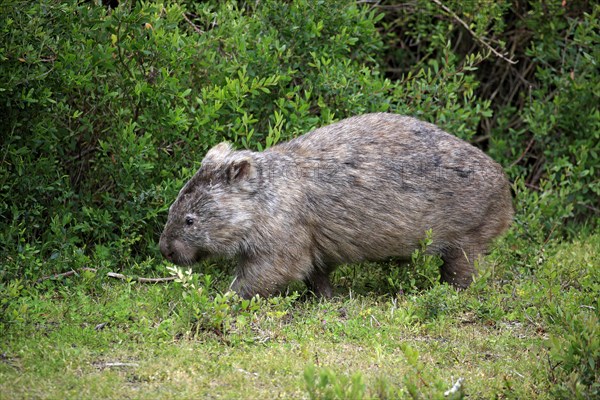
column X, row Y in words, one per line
column 106, row 112
column 106, row 109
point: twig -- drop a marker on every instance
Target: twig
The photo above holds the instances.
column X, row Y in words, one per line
column 538, row 168
column 532, row 186
column 198, row 30
column 101, row 326
column 422, row 380
column 115, row 364
column 455, row 388
column 140, row 279
column 591, row 208
column 541, row 250
column 110, row 275
column 518, row 374
column 480, row 40
column 64, row 274
column 120, row 53
column 518, row 160
column 481, row 138
column 246, row 372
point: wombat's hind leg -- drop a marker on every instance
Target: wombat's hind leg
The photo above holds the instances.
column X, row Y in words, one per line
column 458, row 267
column 318, row 283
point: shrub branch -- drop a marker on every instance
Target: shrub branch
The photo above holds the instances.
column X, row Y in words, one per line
column 479, row 39
column 194, row 26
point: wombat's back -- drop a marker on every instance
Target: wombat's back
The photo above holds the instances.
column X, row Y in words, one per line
column 369, row 187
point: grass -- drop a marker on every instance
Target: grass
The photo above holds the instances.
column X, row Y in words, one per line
column 527, row 328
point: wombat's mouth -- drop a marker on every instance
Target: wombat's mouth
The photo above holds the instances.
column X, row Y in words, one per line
column 185, row 260
column 180, row 254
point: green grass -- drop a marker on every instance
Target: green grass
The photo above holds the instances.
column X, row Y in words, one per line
column 528, row 328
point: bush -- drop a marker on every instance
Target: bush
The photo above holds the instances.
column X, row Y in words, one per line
column 108, row 111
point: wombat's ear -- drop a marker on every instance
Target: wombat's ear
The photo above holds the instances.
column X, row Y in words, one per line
column 219, row 152
column 240, row 169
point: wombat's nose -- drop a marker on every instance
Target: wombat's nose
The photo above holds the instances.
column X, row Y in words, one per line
column 165, row 250
column 167, row 255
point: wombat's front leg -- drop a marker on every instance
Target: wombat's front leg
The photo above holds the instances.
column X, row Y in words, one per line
column 268, row 275
column 247, row 287
column 241, row 288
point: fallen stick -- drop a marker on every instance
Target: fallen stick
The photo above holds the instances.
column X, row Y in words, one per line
column 455, row 388
column 64, row 274
column 115, row 364
column 140, row 279
column 110, row 275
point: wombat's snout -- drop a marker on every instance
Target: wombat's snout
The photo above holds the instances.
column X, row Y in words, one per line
column 179, row 252
column 165, row 249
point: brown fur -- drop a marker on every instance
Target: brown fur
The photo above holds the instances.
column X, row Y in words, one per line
column 364, row 188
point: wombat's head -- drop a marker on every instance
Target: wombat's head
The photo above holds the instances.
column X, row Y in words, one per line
column 213, row 211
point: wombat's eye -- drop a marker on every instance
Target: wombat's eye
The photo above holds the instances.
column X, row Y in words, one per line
column 189, row 221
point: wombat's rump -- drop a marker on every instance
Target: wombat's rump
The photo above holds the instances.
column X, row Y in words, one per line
column 364, row 188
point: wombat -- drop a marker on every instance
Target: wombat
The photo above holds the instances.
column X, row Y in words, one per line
column 364, row 188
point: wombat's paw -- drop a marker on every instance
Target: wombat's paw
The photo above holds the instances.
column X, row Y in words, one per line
column 319, row 284
column 238, row 286
column 458, row 269
column 458, row 282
